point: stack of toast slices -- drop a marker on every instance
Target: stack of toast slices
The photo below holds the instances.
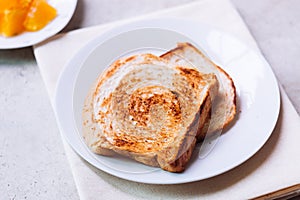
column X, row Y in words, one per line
column 154, row 109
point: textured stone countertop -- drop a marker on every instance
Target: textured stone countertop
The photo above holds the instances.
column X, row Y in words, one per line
column 33, row 164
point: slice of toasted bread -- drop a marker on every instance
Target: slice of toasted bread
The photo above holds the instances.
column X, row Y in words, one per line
column 224, row 108
column 148, row 109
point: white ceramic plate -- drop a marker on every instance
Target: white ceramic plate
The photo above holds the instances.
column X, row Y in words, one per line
column 257, row 90
column 65, row 10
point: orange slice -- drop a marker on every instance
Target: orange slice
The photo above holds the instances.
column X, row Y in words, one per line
column 8, row 4
column 17, row 16
column 12, row 21
column 12, row 16
column 39, row 15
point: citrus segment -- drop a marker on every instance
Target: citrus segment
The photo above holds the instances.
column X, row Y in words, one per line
column 39, row 15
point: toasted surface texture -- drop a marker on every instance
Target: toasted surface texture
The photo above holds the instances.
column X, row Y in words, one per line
column 148, row 109
column 224, row 107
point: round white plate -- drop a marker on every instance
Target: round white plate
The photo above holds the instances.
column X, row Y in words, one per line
column 65, row 10
column 257, row 91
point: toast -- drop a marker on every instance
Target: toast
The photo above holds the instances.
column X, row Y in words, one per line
column 224, row 107
column 148, row 109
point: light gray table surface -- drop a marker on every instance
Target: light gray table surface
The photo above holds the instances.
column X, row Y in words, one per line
column 33, row 164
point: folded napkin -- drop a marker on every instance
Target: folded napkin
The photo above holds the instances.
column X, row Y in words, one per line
column 273, row 168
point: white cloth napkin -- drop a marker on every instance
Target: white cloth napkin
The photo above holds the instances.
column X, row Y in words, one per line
column 274, row 167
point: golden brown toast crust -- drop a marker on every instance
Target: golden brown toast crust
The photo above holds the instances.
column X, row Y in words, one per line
column 224, row 111
column 155, row 124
